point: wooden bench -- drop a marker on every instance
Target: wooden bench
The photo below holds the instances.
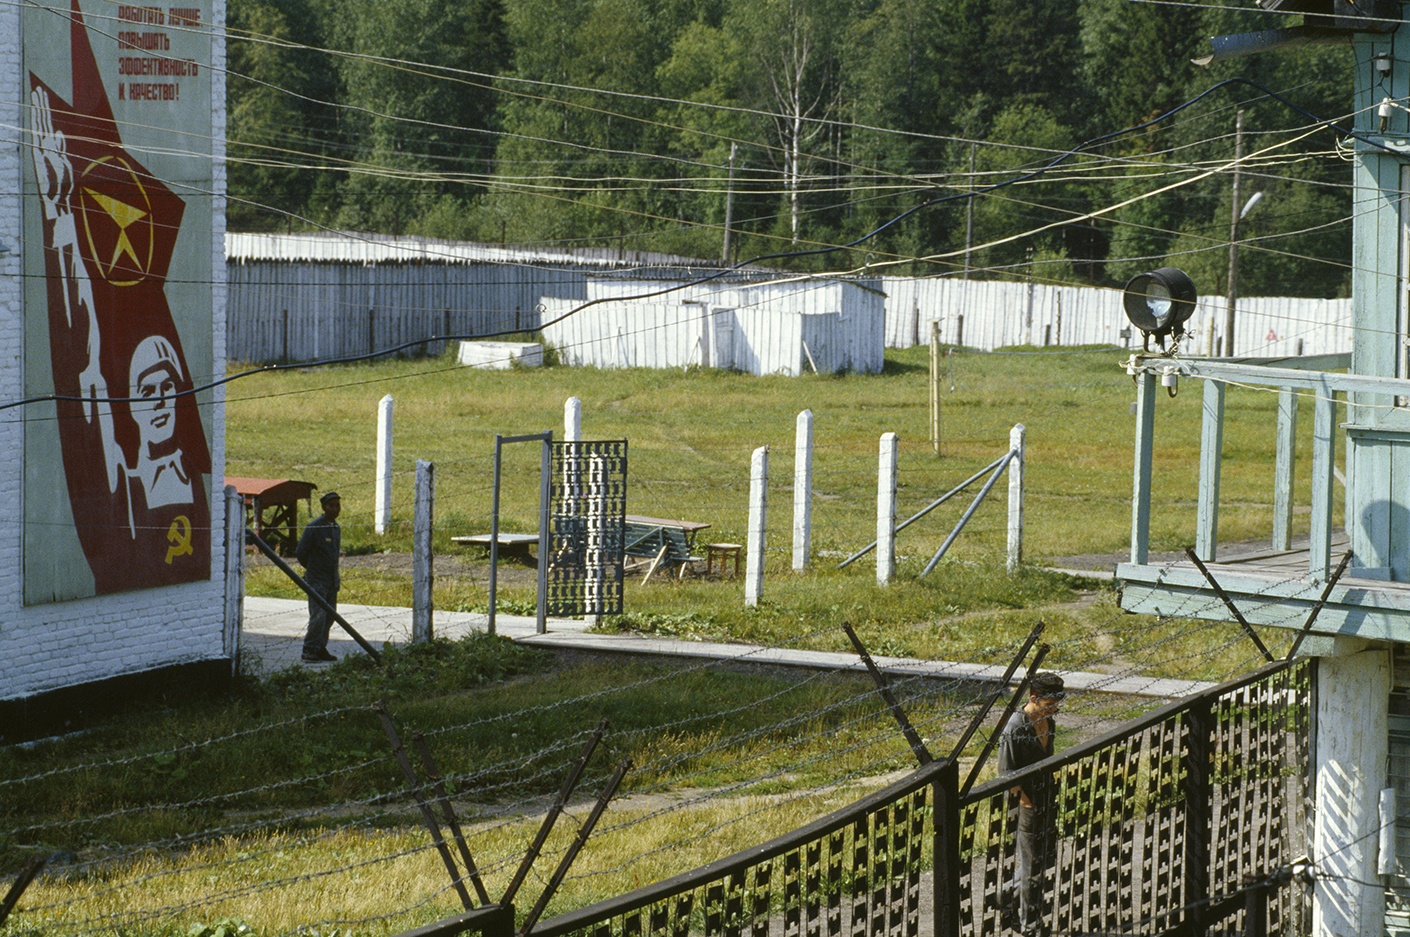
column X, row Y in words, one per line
column 663, row 544
column 511, row 546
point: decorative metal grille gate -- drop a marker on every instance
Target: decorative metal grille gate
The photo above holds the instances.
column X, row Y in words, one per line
column 587, row 504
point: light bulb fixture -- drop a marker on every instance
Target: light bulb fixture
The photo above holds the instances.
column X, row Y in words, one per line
column 1158, row 303
column 1382, row 63
column 1383, row 111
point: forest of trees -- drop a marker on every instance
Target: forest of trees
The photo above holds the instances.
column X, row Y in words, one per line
column 622, row 122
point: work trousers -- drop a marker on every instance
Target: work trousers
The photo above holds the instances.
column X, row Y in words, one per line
column 319, row 621
column 1032, row 856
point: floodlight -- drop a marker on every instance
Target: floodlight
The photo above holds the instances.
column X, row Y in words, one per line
column 1159, row 302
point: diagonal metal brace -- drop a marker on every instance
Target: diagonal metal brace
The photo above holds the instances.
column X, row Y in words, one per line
column 1009, row 710
column 22, row 881
column 912, row 736
column 584, row 832
column 313, row 595
column 553, row 812
column 426, row 814
column 448, row 812
column 998, row 690
column 1229, row 603
column 1317, row 609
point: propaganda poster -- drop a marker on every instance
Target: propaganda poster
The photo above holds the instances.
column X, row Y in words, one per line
column 118, row 296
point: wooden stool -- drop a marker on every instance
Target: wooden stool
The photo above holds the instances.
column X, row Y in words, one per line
column 722, row 552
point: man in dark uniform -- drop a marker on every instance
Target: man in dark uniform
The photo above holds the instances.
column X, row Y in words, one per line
column 1027, row 738
column 318, row 551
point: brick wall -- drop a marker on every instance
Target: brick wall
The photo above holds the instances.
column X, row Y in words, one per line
column 46, row 647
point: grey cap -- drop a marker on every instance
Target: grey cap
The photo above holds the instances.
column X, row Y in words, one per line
column 328, row 496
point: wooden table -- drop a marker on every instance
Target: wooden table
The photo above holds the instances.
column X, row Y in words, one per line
column 511, row 546
column 272, row 508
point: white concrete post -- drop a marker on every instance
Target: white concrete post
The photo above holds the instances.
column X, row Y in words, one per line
column 758, row 509
column 1352, row 697
column 422, row 556
column 382, row 515
column 886, row 509
column 1015, row 470
column 803, row 489
column 572, row 469
column 572, row 419
column 234, row 574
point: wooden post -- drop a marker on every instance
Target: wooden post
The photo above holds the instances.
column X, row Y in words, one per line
column 1232, row 298
column 1017, row 444
column 423, row 575
column 802, row 489
column 886, row 509
column 935, row 385
column 1350, row 769
column 382, row 516
column 758, row 510
column 1211, row 453
column 1141, row 487
column 1284, row 469
column 1324, row 412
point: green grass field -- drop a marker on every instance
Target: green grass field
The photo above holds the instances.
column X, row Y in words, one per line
column 691, row 435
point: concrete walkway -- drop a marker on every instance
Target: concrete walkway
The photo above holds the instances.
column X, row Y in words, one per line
column 274, row 629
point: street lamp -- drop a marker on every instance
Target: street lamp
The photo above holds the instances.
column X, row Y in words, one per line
column 1239, row 215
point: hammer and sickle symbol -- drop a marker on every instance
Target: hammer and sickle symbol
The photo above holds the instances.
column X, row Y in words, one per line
column 179, row 536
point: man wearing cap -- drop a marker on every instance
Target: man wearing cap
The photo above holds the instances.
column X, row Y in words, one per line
column 318, row 551
column 1027, row 738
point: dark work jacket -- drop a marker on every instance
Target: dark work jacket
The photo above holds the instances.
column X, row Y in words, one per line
column 1019, row 747
column 318, row 551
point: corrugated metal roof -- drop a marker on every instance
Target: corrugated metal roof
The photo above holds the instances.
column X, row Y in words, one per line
column 351, row 247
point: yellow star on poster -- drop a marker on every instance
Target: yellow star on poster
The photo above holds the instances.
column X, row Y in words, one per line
column 124, row 216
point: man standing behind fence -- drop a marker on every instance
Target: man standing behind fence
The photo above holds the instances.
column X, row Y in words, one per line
column 318, row 551
column 1027, row 738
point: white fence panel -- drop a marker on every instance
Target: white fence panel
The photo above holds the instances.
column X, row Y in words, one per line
column 989, row 314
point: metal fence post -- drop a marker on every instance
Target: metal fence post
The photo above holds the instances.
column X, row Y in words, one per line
column 234, row 575
column 947, row 851
column 1198, row 812
column 423, row 556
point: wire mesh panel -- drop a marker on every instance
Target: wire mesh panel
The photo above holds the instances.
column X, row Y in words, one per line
column 587, row 504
